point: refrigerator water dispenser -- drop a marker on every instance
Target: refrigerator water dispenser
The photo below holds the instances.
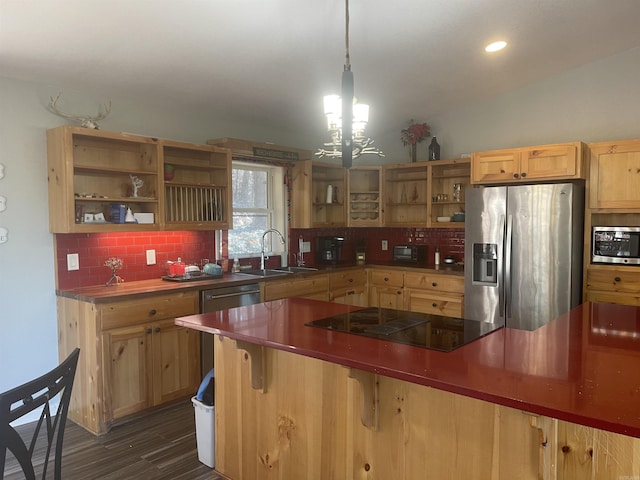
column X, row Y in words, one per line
column 485, row 264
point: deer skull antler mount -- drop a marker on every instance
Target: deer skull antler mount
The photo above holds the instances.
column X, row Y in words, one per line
column 85, row 121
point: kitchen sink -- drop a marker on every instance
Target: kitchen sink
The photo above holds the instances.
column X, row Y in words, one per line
column 266, row 273
column 296, row 269
column 272, row 272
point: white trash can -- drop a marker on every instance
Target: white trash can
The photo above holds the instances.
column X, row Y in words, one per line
column 205, row 433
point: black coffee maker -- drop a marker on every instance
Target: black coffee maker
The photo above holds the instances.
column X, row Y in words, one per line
column 329, row 250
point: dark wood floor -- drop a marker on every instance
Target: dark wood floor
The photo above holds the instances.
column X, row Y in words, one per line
column 157, row 446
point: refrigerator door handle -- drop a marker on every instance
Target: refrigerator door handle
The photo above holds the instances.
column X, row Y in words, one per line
column 501, row 282
column 507, row 265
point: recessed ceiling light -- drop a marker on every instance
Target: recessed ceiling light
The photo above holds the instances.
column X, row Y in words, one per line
column 495, row 46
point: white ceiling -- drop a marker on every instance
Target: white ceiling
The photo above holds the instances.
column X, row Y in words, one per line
column 271, row 61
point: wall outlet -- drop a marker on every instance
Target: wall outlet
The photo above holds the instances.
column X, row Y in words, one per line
column 305, row 247
column 151, row 257
column 385, row 245
column 73, row 262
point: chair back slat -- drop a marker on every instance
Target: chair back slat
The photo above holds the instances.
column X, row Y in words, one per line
column 42, row 392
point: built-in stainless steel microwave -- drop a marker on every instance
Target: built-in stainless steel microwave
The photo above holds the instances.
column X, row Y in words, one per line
column 616, row 245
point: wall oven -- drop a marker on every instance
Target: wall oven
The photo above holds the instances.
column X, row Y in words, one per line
column 616, row 245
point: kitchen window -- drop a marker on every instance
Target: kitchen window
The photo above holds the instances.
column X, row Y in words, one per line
column 259, row 203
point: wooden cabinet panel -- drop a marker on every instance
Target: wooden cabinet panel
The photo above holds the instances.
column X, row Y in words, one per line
column 552, row 161
column 615, row 175
column 314, row 286
column 434, row 281
column 128, row 369
column 527, row 164
column 349, row 287
column 426, row 301
column 147, row 309
column 379, row 277
column 497, row 166
column 176, row 361
column 608, row 297
column 611, row 280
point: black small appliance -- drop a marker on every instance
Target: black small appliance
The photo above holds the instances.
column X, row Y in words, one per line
column 329, row 250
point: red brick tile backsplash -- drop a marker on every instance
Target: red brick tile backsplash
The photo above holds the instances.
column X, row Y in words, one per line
column 449, row 241
column 93, row 249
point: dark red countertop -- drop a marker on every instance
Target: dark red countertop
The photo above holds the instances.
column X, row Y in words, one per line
column 583, row 367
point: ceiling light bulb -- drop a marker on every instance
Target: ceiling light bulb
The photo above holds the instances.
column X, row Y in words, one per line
column 495, row 46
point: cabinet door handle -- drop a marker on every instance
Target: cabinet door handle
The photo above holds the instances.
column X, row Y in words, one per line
column 434, row 284
column 157, row 329
column 515, row 175
column 148, row 331
column 399, row 292
column 351, row 280
column 351, row 292
column 617, row 279
column 153, row 311
column 434, row 305
column 386, row 279
column 523, row 174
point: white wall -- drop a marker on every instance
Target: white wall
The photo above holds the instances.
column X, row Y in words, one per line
column 28, row 339
column 596, row 102
column 600, row 101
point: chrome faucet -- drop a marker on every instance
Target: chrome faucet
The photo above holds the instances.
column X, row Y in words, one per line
column 262, row 256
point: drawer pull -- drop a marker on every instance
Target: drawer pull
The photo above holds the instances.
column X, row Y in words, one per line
column 399, row 292
column 434, row 305
column 515, row 175
column 153, row 311
column 617, row 279
column 148, row 331
column 386, row 279
column 434, row 284
column 351, row 280
column 523, row 174
column 157, row 329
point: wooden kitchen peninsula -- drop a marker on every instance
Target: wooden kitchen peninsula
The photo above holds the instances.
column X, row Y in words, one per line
column 293, row 401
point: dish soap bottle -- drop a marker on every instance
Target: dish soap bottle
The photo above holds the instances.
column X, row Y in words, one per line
column 436, row 260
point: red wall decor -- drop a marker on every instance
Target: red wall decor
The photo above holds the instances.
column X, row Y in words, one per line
column 94, row 248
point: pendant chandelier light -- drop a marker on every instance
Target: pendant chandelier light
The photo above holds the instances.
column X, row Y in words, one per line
column 348, row 140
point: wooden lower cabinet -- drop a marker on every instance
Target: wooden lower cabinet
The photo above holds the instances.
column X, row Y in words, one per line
column 386, row 288
column 132, row 355
column 314, row 286
column 149, row 364
column 349, row 287
column 314, row 429
column 613, row 284
column 440, row 294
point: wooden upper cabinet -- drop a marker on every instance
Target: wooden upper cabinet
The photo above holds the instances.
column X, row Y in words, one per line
column 310, row 207
column 95, row 176
column 615, row 175
column 197, row 186
column 89, row 171
column 527, row 164
column 497, row 166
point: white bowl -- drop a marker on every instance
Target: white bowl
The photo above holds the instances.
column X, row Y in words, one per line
column 443, row 219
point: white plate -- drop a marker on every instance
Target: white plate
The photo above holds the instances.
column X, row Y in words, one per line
column 443, row 219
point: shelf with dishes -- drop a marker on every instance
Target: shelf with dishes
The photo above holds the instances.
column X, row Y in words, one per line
column 448, row 180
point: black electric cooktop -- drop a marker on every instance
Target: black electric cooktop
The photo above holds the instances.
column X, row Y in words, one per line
column 411, row 328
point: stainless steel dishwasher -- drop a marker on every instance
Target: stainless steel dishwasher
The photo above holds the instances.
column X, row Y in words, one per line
column 223, row 298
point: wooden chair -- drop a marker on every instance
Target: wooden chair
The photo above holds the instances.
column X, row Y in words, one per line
column 42, row 393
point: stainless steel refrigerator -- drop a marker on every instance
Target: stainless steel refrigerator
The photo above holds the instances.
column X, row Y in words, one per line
column 523, row 253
